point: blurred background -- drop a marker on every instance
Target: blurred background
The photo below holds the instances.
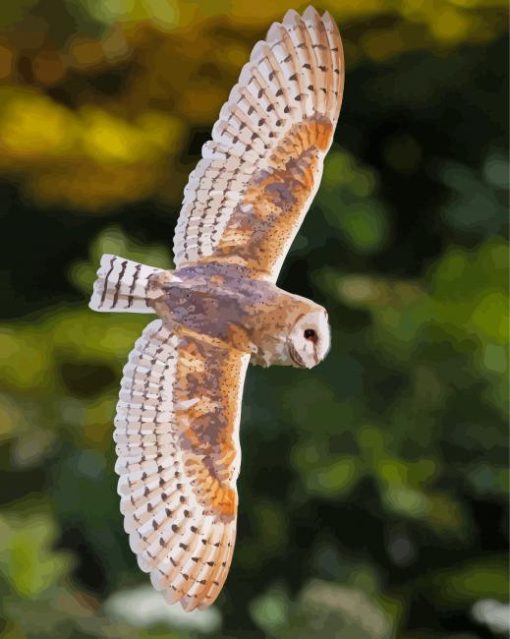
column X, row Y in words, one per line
column 373, row 493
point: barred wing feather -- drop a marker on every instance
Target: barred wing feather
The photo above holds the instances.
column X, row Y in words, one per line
column 248, row 195
column 176, row 431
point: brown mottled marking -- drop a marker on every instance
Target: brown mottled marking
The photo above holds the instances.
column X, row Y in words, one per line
column 217, row 280
column 206, row 427
column 276, row 200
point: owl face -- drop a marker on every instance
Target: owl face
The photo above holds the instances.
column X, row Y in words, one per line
column 309, row 339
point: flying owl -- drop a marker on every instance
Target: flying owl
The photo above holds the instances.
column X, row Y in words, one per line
column 177, row 421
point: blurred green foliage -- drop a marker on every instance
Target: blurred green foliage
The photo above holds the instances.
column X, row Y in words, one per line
column 373, row 494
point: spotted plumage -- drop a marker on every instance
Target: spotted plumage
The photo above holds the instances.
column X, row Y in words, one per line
column 177, row 422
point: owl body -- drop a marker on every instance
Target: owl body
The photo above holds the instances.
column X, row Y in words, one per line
column 234, row 311
column 178, row 414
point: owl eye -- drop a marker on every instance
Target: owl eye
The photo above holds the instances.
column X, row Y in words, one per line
column 311, row 335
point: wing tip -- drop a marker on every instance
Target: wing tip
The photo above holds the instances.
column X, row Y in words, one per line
column 274, row 31
column 311, row 13
column 291, row 17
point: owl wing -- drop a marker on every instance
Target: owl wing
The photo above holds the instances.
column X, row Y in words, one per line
column 248, row 195
column 177, row 435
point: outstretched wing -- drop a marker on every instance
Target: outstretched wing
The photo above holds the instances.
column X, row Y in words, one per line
column 247, row 197
column 177, row 435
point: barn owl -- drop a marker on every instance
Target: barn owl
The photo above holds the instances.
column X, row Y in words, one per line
column 177, row 420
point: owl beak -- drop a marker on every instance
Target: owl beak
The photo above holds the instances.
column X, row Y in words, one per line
column 295, row 356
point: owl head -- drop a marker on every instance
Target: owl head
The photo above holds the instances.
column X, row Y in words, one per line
column 309, row 339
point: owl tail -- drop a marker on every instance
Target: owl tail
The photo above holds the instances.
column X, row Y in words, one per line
column 123, row 286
